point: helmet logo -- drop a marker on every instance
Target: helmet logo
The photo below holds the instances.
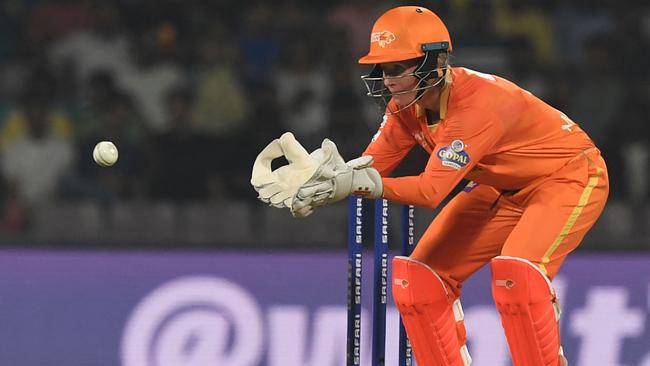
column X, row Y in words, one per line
column 382, row 38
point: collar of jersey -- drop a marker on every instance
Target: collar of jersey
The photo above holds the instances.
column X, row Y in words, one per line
column 444, row 98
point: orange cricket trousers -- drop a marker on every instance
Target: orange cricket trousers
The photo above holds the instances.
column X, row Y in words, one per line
column 542, row 222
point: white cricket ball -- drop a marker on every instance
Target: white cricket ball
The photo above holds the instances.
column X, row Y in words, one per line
column 105, row 153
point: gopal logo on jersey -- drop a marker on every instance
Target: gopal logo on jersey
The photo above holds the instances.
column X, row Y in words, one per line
column 454, row 156
column 382, row 38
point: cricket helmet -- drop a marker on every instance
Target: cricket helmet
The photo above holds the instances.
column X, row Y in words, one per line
column 407, row 33
column 404, row 33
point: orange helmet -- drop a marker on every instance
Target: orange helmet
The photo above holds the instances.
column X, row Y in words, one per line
column 406, row 32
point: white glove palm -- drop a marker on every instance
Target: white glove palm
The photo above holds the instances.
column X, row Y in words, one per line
column 278, row 187
column 311, row 180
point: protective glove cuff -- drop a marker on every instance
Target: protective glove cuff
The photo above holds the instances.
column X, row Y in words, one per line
column 367, row 183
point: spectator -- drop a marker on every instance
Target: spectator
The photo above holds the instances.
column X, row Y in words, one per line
column 35, row 161
column 254, row 76
column 221, row 104
column 151, row 79
column 303, row 92
column 105, row 46
column 37, row 100
column 355, row 19
column 526, row 18
column 258, row 43
column 576, row 20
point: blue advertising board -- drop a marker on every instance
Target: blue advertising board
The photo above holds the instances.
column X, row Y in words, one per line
column 250, row 308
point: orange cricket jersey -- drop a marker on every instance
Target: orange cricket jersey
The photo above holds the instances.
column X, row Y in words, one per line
column 491, row 131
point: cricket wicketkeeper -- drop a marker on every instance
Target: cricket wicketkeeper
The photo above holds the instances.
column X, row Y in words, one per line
column 537, row 185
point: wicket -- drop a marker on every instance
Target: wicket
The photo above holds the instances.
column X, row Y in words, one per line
column 380, row 280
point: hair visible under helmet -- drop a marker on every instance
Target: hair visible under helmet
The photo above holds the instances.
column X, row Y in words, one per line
column 405, row 33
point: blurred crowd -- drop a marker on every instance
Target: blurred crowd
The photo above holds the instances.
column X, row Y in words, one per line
column 190, row 91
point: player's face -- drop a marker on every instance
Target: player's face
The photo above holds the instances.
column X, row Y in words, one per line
column 399, row 79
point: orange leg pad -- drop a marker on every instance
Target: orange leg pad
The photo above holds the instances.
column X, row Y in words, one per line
column 527, row 304
column 432, row 316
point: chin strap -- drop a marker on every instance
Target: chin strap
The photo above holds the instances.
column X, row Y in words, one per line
column 421, row 91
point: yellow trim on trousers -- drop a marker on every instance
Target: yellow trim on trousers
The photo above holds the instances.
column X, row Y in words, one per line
column 582, row 202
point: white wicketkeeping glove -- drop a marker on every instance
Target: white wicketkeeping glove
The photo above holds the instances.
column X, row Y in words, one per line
column 337, row 182
column 278, row 187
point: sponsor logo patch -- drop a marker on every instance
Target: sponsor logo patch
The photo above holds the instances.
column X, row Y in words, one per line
column 458, row 145
column 454, row 156
column 382, row 38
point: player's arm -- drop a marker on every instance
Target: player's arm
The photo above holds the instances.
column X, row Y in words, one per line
column 390, row 145
column 467, row 140
column 361, row 176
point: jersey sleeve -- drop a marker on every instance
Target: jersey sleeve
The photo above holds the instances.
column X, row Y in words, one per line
column 465, row 141
column 390, row 145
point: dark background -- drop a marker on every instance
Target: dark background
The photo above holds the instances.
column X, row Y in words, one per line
column 191, row 91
